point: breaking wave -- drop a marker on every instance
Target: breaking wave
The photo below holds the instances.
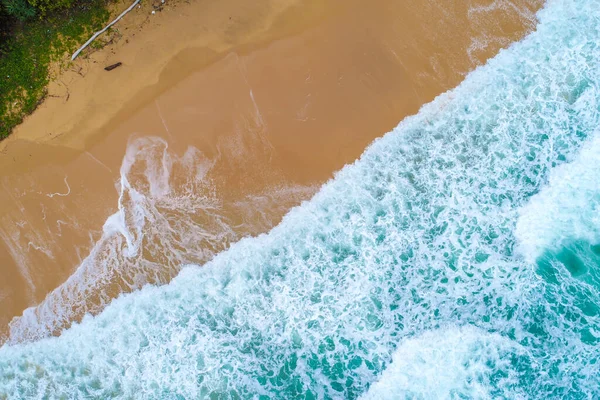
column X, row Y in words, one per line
column 455, row 259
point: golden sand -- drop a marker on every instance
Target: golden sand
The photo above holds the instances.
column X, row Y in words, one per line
column 276, row 95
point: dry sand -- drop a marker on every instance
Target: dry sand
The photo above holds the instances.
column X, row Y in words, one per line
column 276, row 95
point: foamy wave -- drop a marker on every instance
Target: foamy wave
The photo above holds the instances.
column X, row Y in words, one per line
column 568, row 208
column 416, row 236
column 449, row 363
column 168, row 216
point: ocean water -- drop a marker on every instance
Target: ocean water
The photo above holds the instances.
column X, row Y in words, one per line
column 458, row 258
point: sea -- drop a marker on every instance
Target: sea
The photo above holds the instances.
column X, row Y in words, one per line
column 458, row 258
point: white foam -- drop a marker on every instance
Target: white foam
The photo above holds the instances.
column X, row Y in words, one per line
column 68, row 192
column 447, row 363
column 416, row 236
column 568, row 208
column 168, row 216
column 148, row 197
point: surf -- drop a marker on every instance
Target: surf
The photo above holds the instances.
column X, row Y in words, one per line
column 412, row 258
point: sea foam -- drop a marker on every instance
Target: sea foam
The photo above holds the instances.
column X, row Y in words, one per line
column 403, row 277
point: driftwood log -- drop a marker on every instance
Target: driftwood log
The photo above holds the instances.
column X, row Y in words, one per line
column 111, row 67
column 74, row 56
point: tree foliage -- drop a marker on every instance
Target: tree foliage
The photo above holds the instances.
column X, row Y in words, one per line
column 20, row 9
column 44, row 6
column 27, row 49
column 27, row 9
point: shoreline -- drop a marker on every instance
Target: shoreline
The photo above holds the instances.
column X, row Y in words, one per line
column 256, row 113
column 52, row 154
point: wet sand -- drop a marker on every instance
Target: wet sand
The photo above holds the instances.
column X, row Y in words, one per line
column 275, row 97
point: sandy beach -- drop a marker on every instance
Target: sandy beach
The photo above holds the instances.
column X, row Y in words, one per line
column 223, row 116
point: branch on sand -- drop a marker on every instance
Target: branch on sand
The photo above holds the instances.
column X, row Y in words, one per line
column 135, row 3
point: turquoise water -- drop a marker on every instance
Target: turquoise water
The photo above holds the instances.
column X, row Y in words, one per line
column 458, row 258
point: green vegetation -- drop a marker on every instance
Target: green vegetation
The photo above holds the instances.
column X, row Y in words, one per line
column 33, row 34
column 27, row 9
column 19, row 9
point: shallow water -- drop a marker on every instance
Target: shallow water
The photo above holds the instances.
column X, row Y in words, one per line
column 458, row 258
